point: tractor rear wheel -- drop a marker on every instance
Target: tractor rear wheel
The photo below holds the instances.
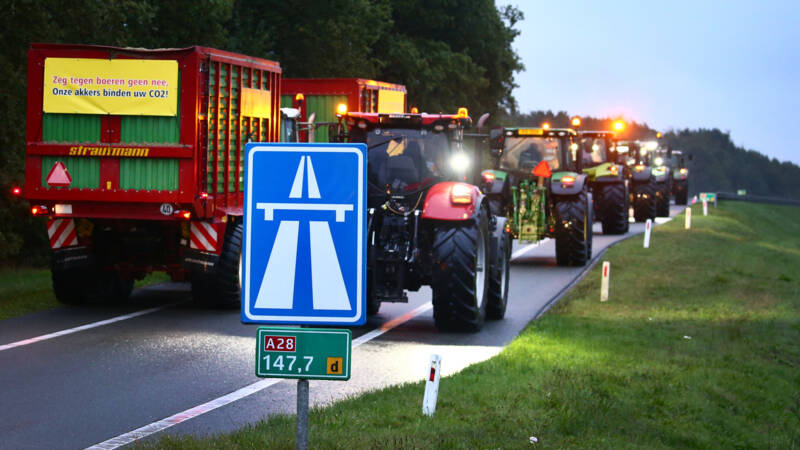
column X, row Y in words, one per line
column 460, row 273
column 614, row 203
column 499, row 272
column 222, row 286
column 573, row 230
column 644, row 202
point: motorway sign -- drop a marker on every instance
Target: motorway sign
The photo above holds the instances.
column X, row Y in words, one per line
column 303, row 256
column 306, row 353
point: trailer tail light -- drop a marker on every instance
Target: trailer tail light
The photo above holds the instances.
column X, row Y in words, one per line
column 461, row 194
column 567, row 180
column 488, row 177
column 204, row 195
column 39, row 210
column 16, row 191
column 186, row 215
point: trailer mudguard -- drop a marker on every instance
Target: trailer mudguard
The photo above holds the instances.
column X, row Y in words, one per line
column 643, row 175
column 439, row 204
column 560, row 187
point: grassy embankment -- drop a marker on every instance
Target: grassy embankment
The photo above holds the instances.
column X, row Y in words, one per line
column 26, row 290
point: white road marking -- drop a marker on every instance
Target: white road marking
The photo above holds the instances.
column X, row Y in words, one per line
column 88, row 326
column 525, row 249
column 155, row 427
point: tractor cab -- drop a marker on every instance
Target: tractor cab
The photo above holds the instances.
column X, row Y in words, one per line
column 600, row 161
column 519, row 151
column 408, row 153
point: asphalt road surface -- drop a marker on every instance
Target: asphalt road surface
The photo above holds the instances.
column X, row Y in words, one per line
column 77, row 377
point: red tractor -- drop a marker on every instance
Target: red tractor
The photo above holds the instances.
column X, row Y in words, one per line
column 426, row 224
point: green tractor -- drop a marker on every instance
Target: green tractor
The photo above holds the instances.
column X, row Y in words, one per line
column 680, row 177
column 642, row 178
column 606, row 180
column 538, row 186
column 662, row 175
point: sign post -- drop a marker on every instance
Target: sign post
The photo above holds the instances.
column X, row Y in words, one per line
column 304, row 260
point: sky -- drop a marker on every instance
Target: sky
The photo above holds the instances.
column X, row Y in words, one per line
column 732, row 65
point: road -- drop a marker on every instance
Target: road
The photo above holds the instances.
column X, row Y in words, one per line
column 162, row 365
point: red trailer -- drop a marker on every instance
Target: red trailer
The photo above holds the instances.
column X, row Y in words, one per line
column 136, row 158
column 322, row 96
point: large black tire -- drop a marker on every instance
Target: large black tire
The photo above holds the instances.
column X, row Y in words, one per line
column 614, row 205
column 573, row 229
column 89, row 285
column 499, row 272
column 644, row 202
column 460, row 276
column 681, row 192
column 662, row 200
column 373, row 305
column 222, row 286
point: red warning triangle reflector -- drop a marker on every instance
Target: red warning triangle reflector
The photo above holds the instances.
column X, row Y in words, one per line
column 58, row 175
column 542, row 170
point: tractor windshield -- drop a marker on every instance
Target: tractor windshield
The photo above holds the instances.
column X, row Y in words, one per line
column 406, row 159
column 595, row 151
column 525, row 153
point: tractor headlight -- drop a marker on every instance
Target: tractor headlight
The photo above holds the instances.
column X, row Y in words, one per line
column 459, row 162
column 659, row 161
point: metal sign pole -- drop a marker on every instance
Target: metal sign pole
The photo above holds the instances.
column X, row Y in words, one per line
column 302, row 414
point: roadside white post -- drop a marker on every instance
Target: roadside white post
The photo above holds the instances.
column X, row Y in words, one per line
column 705, row 208
column 647, row 226
column 432, row 386
column 688, row 223
column 604, row 281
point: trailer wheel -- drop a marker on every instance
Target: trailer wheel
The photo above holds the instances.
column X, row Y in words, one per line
column 499, row 272
column 573, row 230
column 613, row 205
column 644, row 202
column 460, row 274
column 89, row 285
column 681, row 192
column 222, row 286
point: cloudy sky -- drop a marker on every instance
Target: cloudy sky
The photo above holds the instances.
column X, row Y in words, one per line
column 732, row 65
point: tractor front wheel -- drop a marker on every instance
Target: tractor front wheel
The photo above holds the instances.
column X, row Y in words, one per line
column 460, row 276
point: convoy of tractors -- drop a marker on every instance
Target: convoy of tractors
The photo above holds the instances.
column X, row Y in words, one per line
column 129, row 192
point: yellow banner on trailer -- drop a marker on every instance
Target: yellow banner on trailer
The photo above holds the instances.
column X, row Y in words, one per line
column 391, row 101
column 133, row 87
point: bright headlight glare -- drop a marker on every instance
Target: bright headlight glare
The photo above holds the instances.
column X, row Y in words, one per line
column 459, row 162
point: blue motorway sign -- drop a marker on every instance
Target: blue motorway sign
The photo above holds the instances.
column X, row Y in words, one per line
column 303, row 255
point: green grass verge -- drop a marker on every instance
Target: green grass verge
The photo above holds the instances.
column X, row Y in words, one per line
column 698, row 346
column 27, row 290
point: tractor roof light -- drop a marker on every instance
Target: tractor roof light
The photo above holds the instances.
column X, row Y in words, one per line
column 16, row 191
column 414, row 110
column 576, row 122
column 341, row 109
column 299, row 97
column 463, row 112
column 639, row 167
column 545, row 126
column 619, row 125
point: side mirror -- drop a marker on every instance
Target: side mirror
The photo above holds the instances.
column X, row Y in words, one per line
column 496, row 138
